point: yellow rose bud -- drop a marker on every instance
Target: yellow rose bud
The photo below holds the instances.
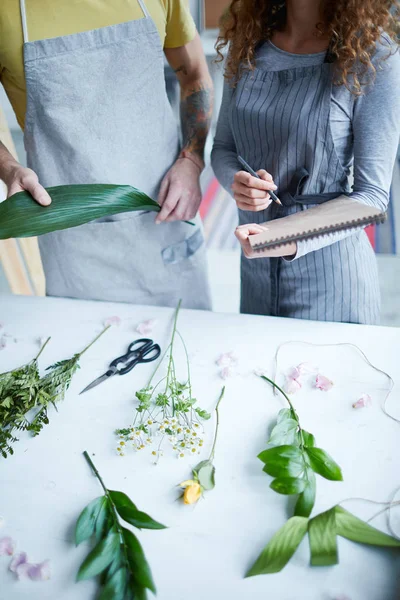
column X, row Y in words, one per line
column 192, row 493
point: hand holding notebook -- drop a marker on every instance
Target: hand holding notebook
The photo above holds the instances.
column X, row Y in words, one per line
column 333, row 215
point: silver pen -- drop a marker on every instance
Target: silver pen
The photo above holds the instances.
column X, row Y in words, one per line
column 252, row 172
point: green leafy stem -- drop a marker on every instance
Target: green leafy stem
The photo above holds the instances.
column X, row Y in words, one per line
column 322, row 533
column 293, row 459
column 118, row 556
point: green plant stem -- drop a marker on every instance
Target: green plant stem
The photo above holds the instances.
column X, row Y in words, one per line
column 114, row 510
column 294, row 413
column 216, row 425
column 42, row 348
column 93, row 341
column 170, row 361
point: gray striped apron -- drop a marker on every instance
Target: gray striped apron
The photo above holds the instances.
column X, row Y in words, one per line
column 280, row 122
column 98, row 112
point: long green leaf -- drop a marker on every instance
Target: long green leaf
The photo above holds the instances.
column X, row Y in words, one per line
column 309, row 439
column 322, row 537
column 85, row 526
column 283, row 467
column 72, row 205
column 139, row 566
column 115, row 586
column 288, row 485
column 100, row 557
column 356, row 530
column 323, row 464
column 281, row 548
column 306, row 500
column 128, row 512
column 284, row 451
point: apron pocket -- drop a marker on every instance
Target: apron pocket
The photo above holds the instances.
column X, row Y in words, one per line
column 182, row 250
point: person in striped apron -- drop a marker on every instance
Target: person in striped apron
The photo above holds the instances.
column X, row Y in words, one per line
column 311, row 90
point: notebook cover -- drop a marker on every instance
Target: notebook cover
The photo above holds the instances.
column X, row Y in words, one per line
column 334, row 215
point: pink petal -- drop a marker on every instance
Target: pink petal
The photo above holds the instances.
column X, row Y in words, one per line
column 112, row 321
column 226, row 372
column 323, row 383
column 259, row 371
column 7, row 546
column 291, row 385
column 146, row 327
column 364, row 402
column 294, row 373
column 306, row 368
column 40, row 572
column 227, row 359
column 19, row 559
column 22, row 571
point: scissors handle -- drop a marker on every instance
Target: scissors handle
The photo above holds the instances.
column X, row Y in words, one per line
column 143, row 350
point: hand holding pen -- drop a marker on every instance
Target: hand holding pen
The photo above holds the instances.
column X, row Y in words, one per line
column 253, row 191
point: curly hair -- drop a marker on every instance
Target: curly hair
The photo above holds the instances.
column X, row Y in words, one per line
column 353, row 26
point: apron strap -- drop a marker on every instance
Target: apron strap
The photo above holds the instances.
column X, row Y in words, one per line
column 144, row 9
column 23, row 21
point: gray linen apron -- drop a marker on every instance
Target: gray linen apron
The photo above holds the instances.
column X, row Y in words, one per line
column 280, row 122
column 98, row 112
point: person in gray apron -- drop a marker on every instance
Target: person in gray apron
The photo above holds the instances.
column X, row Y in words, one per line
column 289, row 121
column 98, row 112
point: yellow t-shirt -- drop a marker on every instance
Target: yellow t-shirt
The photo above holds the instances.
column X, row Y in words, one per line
column 53, row 18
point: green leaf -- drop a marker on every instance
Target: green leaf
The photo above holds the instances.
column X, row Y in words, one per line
column 137, row 561
column 281, row 548
column 309, row 439
column 127, row 510
column 288, row 485
column 115, row 587
column 284, row 432
column 121, row 500
column 203, row 414
column 85, row 526
column 353, row 528
column 283, row 415
column 322, row 536
column 72, row 205
column 100, row 557
column 284, row 451
column 205, row 473
column 284, row 467
column 104, row 523
column 323, row 464
column 306, row 500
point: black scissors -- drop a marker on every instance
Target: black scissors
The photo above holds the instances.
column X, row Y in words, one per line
column 140, row 351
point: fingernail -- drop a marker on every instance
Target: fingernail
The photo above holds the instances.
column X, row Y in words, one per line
column 274, row 187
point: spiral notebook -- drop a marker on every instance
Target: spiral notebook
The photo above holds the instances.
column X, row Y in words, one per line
column 334, row 215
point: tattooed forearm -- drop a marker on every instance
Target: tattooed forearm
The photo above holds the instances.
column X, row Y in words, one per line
column 196, row 111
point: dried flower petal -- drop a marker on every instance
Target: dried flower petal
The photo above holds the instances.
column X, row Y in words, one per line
column 19, row 559
column 40, row 572
column 363, row 402
column 146, row 327
column 227, row 359
column 226, row 372
column 306, row 368
column 294, row 373
column 7, row 546
column 259, row 371
column 323, row 383
column 112, row 321
column 291, row 385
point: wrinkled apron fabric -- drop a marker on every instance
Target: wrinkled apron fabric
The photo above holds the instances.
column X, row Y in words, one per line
column 98, row 112
column 280, row 121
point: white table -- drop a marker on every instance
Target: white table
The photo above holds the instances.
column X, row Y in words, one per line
column 207, row 549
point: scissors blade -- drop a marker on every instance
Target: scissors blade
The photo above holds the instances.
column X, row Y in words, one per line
column 96, row 382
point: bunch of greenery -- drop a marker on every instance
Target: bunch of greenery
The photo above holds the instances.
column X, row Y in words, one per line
column 166, row 410
column 293, row 461
column 117, row 556
column 23, row 391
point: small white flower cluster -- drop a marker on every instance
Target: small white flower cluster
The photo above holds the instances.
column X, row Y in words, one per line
column 185, row 439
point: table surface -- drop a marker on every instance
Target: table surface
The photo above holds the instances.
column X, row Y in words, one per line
column 207, row 548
